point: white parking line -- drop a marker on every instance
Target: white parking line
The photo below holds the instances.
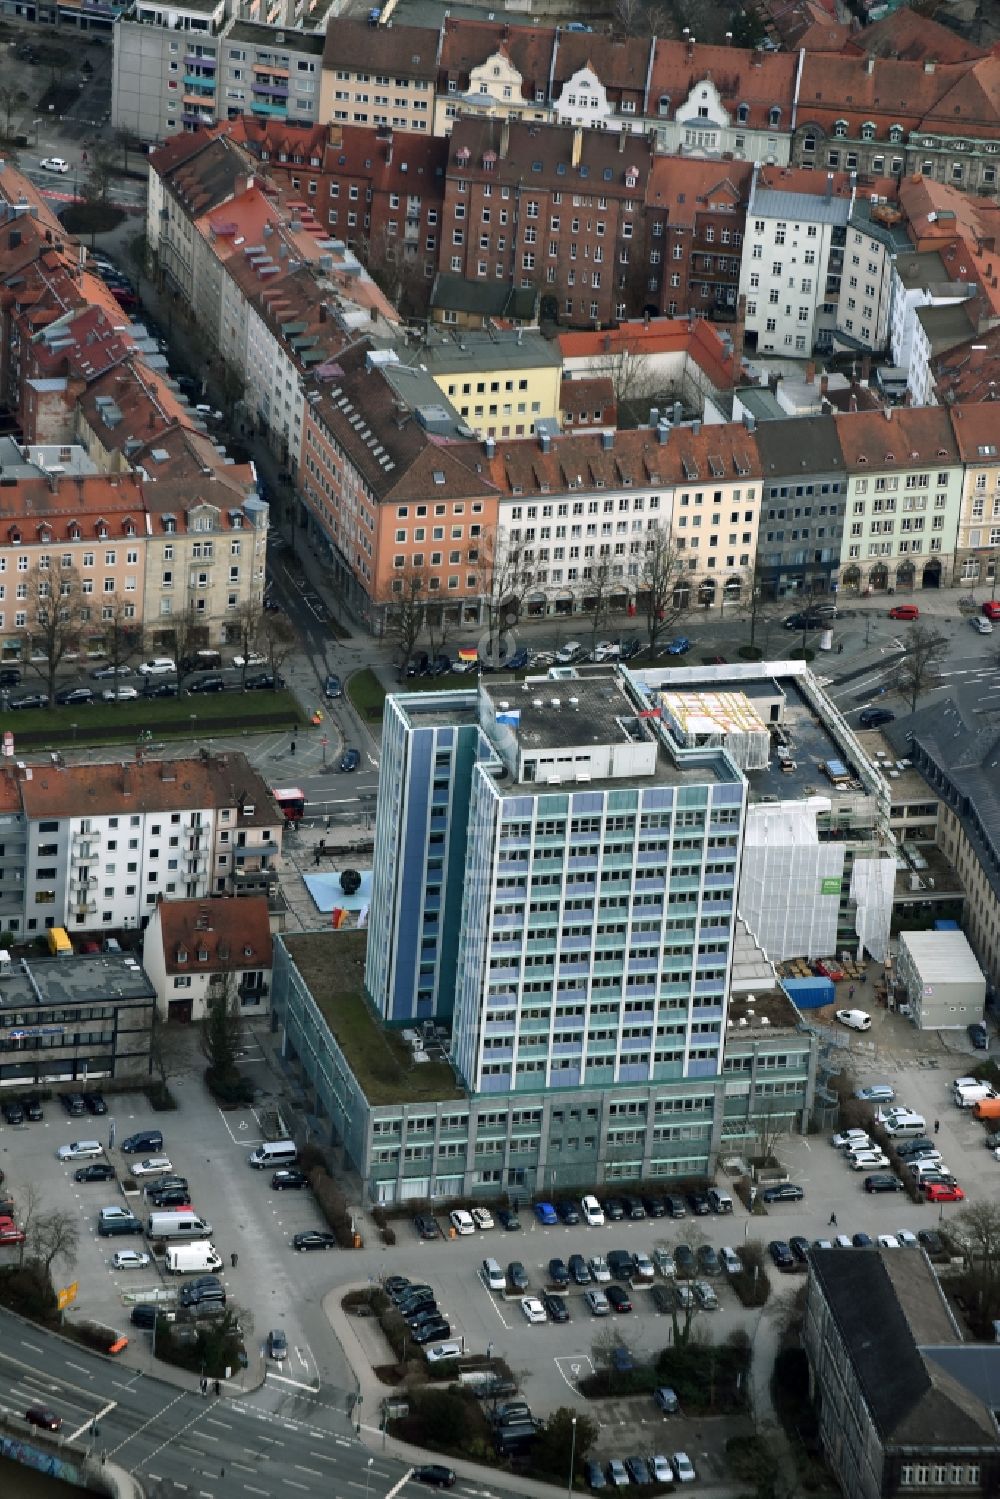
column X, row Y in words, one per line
column 98, row 1416
column 579, row 1365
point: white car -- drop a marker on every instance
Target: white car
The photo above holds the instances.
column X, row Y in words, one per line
column 568, row 653
column 130, row 1259
column 906, row 1239
column 683, row 1467
column 442, row 1351
column 461, row 1222
column 661, row 1469
column 482, row 1218
column 849, row 1138
column 533, row 1309
column 151, row 1165
column 53, row 164
column 160, row 666
column 607, row 650
column 597, row 1302
column 731, row 1262
column 119, row 694
column 252, row 660
column 867, row 1160
column 79, row 1150
column 663, row 1259
column 843, row 1241
column 644, row 1267
column 855, row 1020
column 593, row 1213
column 598, row 1267
column 979, row 623
column 888, row 1241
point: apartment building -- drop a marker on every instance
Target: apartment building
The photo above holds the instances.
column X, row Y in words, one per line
column 876, row 235
column 710, row 101
column 791, row 277
column 198, row 951
column 393, row 488
column 919, row 279
column 889, row 116
column 492, row 69
column 600, row 87
column 501, row 383
column 185, row 67
column 906, row 1409
column 977, row 545
column 383, row 75
column 106, row 842
column 904, row 498
column 556, row 209
column 695, row 224
column 804, row 494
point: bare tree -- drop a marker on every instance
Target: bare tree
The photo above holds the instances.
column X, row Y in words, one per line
column 11, row 100
column 919, row 669
column 54, row 619
column 186, row 634
column 506, row 577
column 663, row 587
column 438, row 626
column 56, row 1235
column 29, row 1210
column 245, row 626
column 976, row 1230
column 121, row 635
column 404, row 609
column 598, row 590
column 276, row 641
column 640, row 18
column 636, row 384
column 757, row 603
column 170, row 1048
column 222, row 1028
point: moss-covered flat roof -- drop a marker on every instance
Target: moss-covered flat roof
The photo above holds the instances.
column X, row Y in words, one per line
column 333, row 966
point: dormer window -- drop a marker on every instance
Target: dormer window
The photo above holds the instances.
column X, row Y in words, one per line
column 45, row 534
column 203, row 955
column 896, row 134
column 102, row 529
column 169, row 524
column 14, row 535
column 631, row 177
column 774, row 117
column 247, row 950
column 489, row 161
column 463, row 156
column 868, row 131
column 742, row 114
column 664, row 106
column 74, row 530
column 129, row 526
column 840, row 129
column 181, row 954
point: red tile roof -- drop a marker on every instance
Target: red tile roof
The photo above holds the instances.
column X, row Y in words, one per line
column 466, row 44
column 71, row 508
column 913, row 37
column 896, row 438
column 699, row 339
column 147, row 786
column 687, row 186
column 213, row 936
column 760, row 80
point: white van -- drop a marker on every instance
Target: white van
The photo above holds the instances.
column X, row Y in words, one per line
column 493, row 1277
column 160, row 666
column 968, row 1091
column 906, row 1125
column 178, row 1226
column 274, row 1153
column 186, row 1259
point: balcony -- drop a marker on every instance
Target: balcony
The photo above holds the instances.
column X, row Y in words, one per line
column 86, row 845
column 85, row 908
column 77, row 884
column 195, row 60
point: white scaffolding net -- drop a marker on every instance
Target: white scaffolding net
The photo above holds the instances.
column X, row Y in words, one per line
column 719, row 719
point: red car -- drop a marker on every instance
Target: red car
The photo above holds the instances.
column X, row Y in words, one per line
column 830, row 970
column 40, row 1415
column 992, row 610
column 941, row 1192
column 10, row 1233
column 904, row 611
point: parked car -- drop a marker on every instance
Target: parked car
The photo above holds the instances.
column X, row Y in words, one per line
column 314, row 1238
column 461, row 1222
column 781, row 1254
column 876, row 1093
column 981, row 624
column 597, row 1302
column 95, row 1103
column 598, row 1267
column 289, row 1179
column 350, row 760
column 855, row 1020
column 578, row 1270
column 482, row 1218
column 731, row 1262
column 665, row 1399
column 532, row 1309
column 783, row 1192
column 426, row 1226
column 883, row 1181
column 705, row 1296
column 943, row 1192
column 207, row 684
column 517, row 1276
column 904, row 611
column 30, row 700
column 708, row 1260
column 593, row 1213
column 874, row 718
column 684, row 1259
column 979, row 1035
column 558, row 1272
column 508, row 1220
column 567, row 1212
column 120, row 694
column 618, row 1299
column 546, row 1214
column 614, row 1209
column 277, row 1344
column 679, row 646
column 555, row 1306
column 70, row 696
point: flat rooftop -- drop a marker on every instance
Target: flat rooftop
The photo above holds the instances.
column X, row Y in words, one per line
column 333, row 966
column 473, row 352
column 81, row 979
column 905, row 783
column 263, row 35
column 439, row 709
column 809, row 743
column 771, row 1006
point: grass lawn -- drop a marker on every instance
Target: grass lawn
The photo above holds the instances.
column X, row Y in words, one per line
column 332, row 964
column 163, row 717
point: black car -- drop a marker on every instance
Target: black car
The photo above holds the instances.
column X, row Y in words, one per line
column 862, row 1241
column 676, row 1207
column 395, row 1285
column 618, row 1298
column 578, row 1270
column 95, row 1103
column 196, row 1295
column 631, row 648
column 429, row 1312
column 418, row 664
column 931, row 1241
column 638, row 1470
column 555, row 1306
column 663, row 1298
column 13, row 1112
column 441, row 666
column 409, row 1307
column 97, row 1171
column 655, row 1207
column 33, row 1108
column 436, row 1475
column 781, row 1254
column 807, row 622
column 333, row 687
column 73, row 1104
column 708, row 1260
column 207, row 684
column 593, row 1475
column 10, row 676
column 508, row 1220
column 979, row 1035
column 350, row 760
column 432, row 1332
column 558, row 1272
column 872, row 718
column 71, row 695
column 159, row 689
column 684, row 1259
column 614, row 1209
column 426, row 1227
column 517, row 1277
column 402, row 1288
column 264, row 680
column 783, row 1192
column 698, row 1203
column 800, row 1248
column 289, row 1179
column 29, row 700
column 634, row 1207
column 567, row 1212
column 519, row 660
column 170, row 1197
column 910, row 1150
column 167, row 1183
column 883, row 1181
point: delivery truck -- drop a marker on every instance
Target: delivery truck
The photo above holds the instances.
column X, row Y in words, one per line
column 178, row 1226
column 987, row 1108
column 186, row 1259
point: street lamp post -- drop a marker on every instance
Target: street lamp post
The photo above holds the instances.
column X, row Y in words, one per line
column 572, row 1460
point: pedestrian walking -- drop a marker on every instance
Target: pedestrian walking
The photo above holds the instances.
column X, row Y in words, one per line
column 833, row 1220
column 840, row 649
column 218, row 1388
column 851, row 991
column 234, row 1259
column 204, row 1385
column 937, row 1125
column 292, row 747
column 317, row 855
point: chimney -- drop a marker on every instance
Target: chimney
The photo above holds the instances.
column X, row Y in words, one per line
column 810, row 371
column 690, row 48
column 388, row 148
column 869, row 65
column 654, row 417
column 491, row 446
column 824, row 384
column 930, row 63
column 866, row 368
column 696, row 429
column 504, row 138
column 126, row 779
column 663, row 432
column 607, row 441
column 887, row 413
column 829, row 186
column 545, row 442
column 622, row 138
column 577, row 145
column 749, row 421
column 852, row 404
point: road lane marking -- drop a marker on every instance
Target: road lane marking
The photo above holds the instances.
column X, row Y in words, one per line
column 396, row 1487
column 301, row 1468
column 297, row 1384
column 97, row 1416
